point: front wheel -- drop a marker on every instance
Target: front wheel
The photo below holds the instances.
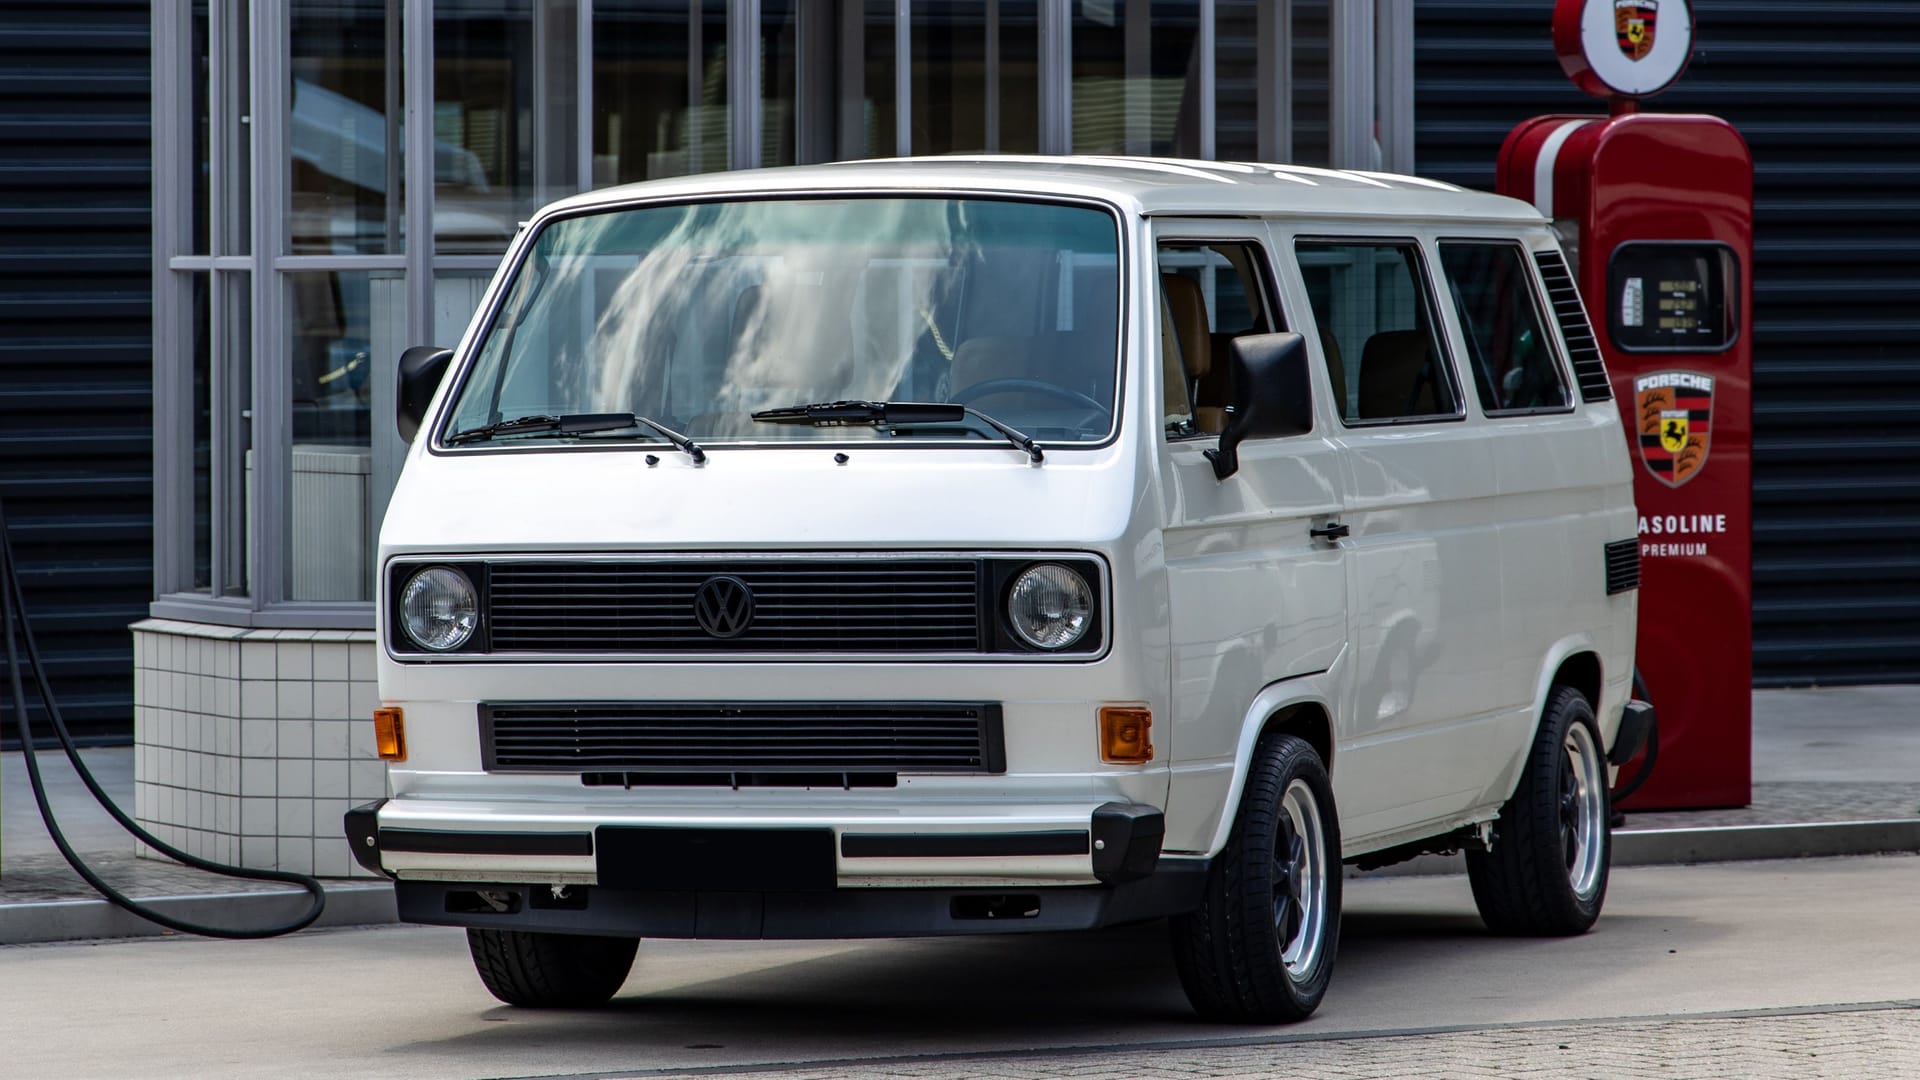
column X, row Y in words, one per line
column 551, row 971
column 1260, row 947
column 1546, row 874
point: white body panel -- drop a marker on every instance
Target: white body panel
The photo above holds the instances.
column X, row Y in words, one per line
column 1429, row 637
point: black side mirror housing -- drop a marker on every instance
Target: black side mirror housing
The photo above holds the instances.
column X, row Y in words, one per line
column 421, row 369
column 1271, row 395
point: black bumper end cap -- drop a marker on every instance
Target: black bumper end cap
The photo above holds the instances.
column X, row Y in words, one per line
column 1636, row 723
column 1126, row 841
column 363, row 835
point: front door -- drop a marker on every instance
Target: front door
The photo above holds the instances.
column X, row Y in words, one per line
column 1254, row 598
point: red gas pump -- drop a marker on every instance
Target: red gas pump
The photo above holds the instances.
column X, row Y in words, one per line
column 1657, row 214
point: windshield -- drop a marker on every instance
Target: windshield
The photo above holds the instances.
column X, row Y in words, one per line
column 696, row 316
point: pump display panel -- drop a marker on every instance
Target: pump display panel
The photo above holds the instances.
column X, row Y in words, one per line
column 1666, row 297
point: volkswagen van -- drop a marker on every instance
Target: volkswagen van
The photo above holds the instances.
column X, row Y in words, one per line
column 968, row 546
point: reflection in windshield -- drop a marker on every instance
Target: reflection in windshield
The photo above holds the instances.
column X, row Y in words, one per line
column 700, row 315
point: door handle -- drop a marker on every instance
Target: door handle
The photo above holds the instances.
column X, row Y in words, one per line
column 1333, row 531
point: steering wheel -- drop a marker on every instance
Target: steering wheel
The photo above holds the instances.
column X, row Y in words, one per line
column 968, row 395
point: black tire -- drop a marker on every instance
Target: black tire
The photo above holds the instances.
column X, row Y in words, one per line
column 1546, row 875
column 1233, row 951
column 551, row 971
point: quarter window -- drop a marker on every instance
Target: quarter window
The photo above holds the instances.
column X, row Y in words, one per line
column 1376, row 328
column 1508, row 349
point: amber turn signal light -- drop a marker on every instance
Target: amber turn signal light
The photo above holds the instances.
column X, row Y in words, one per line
column 1125, row 734
column 390, row 734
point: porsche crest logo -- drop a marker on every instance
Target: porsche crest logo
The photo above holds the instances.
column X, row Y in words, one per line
column 1633, row 23
column 1676, row 423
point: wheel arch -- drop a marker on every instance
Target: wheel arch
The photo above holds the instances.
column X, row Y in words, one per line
column 1573, row 661
column 1300, row 706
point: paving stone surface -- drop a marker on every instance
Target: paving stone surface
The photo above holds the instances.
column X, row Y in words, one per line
column 1797, row 801
column 1862, row 1044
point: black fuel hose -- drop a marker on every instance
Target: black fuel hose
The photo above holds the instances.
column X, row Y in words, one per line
column 13, row 608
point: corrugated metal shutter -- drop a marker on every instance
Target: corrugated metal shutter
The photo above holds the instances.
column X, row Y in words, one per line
column 1828, row 96
column 76, row 449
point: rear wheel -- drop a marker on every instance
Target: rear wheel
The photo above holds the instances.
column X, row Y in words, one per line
column 1260, row 947
column 1546, row 874
column 551, row 971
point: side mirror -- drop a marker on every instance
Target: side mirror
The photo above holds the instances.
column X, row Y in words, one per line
column 421, row 369
column 1271, row 395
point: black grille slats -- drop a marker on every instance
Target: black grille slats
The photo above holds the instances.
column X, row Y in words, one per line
column 873, row 606
column 747, row 737
column 1582, row 349
column 1623, row 566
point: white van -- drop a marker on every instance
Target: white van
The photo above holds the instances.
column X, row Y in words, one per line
column 962, row 546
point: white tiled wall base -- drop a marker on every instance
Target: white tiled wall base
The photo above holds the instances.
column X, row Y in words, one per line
column 252, row 744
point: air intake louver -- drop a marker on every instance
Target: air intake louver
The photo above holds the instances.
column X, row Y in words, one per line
column 742, row 737
column 1567, row 308
column 1623, row 566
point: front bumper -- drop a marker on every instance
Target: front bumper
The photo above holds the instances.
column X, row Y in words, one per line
column 735, row 878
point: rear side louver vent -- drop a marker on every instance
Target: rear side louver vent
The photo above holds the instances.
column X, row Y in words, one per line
column 1574, row 327
column 1623, row 566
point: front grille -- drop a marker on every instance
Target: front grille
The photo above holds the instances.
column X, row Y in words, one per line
column 1623, row 566
column 867, row 606
column 703, row 737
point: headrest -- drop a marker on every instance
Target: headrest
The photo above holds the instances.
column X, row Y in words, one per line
column 1390, row 367
column 1187, row 307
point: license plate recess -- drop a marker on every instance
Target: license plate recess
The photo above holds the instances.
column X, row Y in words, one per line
column 720, row 860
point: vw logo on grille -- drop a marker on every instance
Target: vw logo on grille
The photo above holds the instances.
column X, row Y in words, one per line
column 723, row 606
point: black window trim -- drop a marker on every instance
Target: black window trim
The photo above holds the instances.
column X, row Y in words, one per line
column 1263, row 268
column 1448, row 363
column 1543, row 310
column 520, row 251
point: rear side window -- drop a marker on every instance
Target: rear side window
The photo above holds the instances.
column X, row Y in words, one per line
column 1508, row 348
column 1374, row 317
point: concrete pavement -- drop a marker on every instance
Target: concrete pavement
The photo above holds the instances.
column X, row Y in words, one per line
column 1836, row 772
column 1696, row 966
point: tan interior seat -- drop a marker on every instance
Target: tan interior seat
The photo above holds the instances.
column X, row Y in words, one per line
column 1391, row 385
column 986, row 358
column 1185, row 322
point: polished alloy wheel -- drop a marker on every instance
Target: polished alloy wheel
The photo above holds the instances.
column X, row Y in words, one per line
column 1300, row 881
column 1583, row 809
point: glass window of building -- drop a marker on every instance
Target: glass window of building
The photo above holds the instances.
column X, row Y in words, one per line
column 1136, row 77
column 344, row 130
column 659, row 89
column 975, row 76
column 505, row 107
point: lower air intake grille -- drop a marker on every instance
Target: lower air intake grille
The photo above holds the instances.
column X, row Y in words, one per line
column 742, row 737
column 1623, row 566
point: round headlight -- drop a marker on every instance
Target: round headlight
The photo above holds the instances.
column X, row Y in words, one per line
column 1050, row 606
column 438, row 609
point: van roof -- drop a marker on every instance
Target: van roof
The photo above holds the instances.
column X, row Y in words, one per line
column 1150, row 186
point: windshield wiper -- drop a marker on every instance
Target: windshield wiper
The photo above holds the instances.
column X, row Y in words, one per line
column 894, row 414
column 578, row 424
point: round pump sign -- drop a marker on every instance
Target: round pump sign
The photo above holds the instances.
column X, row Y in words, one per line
column 1623, row 48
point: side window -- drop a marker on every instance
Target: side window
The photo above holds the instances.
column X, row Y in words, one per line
column 1210, row 293
column 1512, row 357
column 1376, row 327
